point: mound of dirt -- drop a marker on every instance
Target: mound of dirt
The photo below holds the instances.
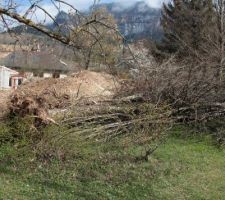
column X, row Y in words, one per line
column 61, row 93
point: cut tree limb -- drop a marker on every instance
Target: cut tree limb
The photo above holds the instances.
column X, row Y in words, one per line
column 59, row 37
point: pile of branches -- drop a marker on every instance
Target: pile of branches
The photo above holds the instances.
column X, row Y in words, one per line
column 128, row 121
column 193, row 88
column 200, row 112
column 34, row 106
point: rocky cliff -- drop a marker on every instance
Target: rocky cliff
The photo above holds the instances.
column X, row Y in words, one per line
column 136, row 21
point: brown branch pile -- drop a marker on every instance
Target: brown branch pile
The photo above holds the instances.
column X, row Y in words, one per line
column 193, row 89
column 30, row 106
column 140, row 124
column 200, row 112
column 26, row 105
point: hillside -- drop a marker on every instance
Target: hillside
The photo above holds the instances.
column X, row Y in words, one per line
column 136, row 21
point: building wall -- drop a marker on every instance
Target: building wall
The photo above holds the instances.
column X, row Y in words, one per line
column 4, row 78
column 47, row 75
column 16, row 81
column 6, row 74
column 62, row 76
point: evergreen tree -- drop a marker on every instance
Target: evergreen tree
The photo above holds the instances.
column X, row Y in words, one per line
column 186, row 24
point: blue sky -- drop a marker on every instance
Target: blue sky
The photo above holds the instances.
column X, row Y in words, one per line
column 82, row 4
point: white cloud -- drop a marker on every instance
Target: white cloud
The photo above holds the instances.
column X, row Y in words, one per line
column 84, row 4
column 155, row 3
column 151, row 3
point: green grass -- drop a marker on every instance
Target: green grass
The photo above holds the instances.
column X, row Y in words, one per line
column 190, row 168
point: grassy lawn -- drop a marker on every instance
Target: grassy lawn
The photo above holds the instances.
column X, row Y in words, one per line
column 179, row 169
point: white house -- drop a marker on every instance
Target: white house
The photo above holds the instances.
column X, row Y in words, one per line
column 9, row 78
column 39, row 64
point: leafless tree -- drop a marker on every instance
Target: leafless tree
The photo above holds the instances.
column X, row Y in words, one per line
column 68, row 35
column 220, row 10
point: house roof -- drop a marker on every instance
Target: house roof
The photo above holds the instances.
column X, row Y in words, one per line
column 12, row 72
column 36, row 61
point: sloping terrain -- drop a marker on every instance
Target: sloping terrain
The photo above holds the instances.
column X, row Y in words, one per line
column 179, row 169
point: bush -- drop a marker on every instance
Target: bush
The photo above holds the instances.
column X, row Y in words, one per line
column 23, row 135
column 16, row 130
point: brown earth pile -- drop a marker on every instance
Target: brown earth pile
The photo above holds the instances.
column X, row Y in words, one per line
column 36, row 98
column 61, row 93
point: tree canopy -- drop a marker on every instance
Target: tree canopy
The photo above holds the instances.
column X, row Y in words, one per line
column 186, row 25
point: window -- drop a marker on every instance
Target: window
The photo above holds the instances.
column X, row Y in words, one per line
column 10, row 82
column 20, row 81
column 35, row 74
column 56, row 75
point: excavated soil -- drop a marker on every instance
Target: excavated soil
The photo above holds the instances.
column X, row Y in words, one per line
column 61, row 93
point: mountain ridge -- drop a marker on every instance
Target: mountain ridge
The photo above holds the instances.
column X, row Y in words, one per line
column 134, row 22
